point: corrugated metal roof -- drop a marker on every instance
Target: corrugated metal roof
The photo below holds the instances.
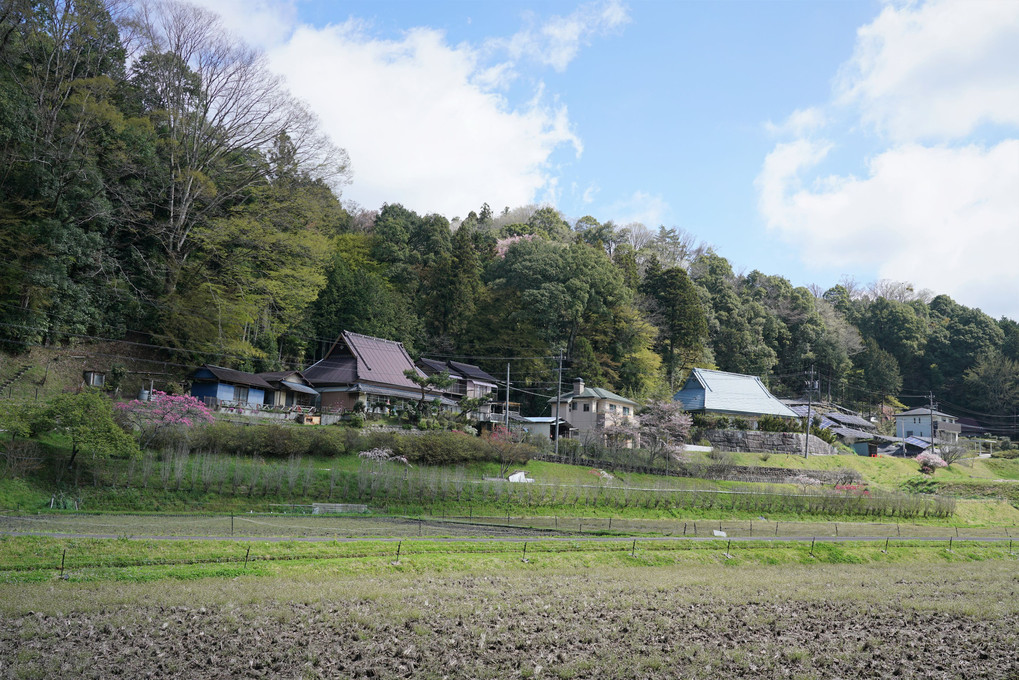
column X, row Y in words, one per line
column 722, row 392
column 297, row 387
column 355, row 357
column 229, row 375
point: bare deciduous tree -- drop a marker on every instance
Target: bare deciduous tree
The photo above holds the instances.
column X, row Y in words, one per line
column 220, row 110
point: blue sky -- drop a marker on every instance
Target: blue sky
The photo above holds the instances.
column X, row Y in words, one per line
column 814, row 140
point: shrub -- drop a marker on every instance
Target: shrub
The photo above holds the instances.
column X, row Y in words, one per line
column 442, row 448
column 1008, row 454
column 769, row 423
column 929, row 462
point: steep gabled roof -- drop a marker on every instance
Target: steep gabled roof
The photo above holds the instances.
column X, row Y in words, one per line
column 229, row 375
column 734, row 393
column 355, row 358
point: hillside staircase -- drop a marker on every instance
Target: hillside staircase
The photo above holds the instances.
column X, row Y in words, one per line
column 15, row 378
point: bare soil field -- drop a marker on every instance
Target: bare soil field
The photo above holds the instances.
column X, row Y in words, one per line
column 688, row 621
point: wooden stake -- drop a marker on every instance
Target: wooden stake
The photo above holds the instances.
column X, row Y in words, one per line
column 246, row 557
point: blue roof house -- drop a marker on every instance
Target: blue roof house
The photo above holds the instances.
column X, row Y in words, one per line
column 731, row 394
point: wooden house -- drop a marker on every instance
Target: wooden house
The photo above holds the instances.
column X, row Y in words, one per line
column 367, row 370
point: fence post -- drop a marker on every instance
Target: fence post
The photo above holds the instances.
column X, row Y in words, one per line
column 684, row 528
column 398, row 546
column 886, row 546
column 812, row 547
column 610, row 523
column 525, row 551
column 633, row 549
column 836, row 529
column 246, row 557
column 65, row 555
column 776, row 528
column 950, row 539
column 727, row 546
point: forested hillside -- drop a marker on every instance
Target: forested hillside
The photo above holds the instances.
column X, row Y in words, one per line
column 157, row 180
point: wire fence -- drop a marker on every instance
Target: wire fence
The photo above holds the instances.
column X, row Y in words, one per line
column 238, row 556
column 297, row 522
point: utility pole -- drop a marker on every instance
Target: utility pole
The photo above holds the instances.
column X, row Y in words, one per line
column 930, row 403
column 558, row 401
column 810, row 403
column 506, row 415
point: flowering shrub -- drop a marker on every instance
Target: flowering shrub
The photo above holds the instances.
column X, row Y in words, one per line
column 804, row 481
column 929, row 462
column 164, row 412
column 382, row 455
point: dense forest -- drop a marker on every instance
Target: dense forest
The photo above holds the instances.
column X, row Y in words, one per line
column 157, row 180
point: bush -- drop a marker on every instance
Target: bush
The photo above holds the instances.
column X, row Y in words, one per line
column 444, row 448
column 768, row 423
column 1008, row 454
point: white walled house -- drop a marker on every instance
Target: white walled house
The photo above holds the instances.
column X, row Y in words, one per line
column 590, row 410
column 917, row 423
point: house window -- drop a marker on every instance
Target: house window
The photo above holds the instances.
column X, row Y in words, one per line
column 573, row 406
column 909, row 433
column 240, row 394
column 587, row 407
column 612, row 407
column 626, row 410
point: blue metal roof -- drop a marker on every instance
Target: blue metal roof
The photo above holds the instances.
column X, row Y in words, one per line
column 732, row 393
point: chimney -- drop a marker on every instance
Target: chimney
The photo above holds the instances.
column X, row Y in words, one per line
column 578, row 386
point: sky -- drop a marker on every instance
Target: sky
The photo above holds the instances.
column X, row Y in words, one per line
column 813, row 140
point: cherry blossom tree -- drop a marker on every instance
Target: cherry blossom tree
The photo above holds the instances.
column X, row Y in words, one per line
column 164, row 413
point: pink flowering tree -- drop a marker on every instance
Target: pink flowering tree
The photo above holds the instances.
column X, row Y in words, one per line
column 163, row 414
column 662, row 428
column 930, row 462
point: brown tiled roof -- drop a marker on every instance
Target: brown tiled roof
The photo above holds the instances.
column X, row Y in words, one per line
column 355, row 357
column 229, row 375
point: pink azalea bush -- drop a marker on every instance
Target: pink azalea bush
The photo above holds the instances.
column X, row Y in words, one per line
column 164, row 413
column 929, row 462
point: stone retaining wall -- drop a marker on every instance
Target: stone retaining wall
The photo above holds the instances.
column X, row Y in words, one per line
column 774, row 442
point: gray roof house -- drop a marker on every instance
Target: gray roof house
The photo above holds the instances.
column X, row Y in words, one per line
column 733, row 394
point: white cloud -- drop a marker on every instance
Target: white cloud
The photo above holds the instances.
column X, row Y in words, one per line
column 262, row 23
column 936, row 70
column 936, row 207
column 556, row 42
column 640, row 206
column 422, row 128
column 800, row 122
column 426, row 123
column 942, row 218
